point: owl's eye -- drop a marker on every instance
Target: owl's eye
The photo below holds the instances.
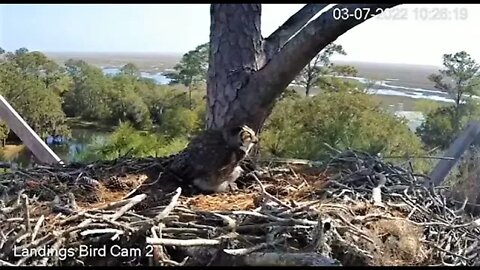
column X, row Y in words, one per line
column 235, row 131
column 245, row 136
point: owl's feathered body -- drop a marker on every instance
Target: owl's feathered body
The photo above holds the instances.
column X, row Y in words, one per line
column 210, row 161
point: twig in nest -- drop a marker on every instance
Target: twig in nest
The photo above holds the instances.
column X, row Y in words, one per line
column 26, row 213
column 133, row 201
column 142, row 185
column 444, row 250
column 268, row 195
column 274, row 218
column 113, row 205
column 377, row 191
column 245, row 251
column 158, row 254
column 174, row 263
column 101, row 231
column 4, row 263
column 37, row 227
column 298, row 208
column 319, row 235
column 73, row 203
column 56, row 247
column 230, row 222
column 183, row 243
column 170, row 206
column 73, row 218
column 165, row 212
column 347, row 244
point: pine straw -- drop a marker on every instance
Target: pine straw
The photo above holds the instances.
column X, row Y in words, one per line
column 333, row 211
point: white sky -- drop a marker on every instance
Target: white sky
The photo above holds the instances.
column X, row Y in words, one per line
column 181, row 27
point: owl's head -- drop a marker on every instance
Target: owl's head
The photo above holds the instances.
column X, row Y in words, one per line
column 241, row 137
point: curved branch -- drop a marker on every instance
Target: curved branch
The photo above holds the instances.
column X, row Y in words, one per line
column 296, row 54
column 278, row 38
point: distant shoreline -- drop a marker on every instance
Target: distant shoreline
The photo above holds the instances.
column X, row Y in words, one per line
column 407, row 75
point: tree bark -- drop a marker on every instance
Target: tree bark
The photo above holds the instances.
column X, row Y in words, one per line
column 243, row 82
column 236, row 52
column 278, row 38
column 247, row 73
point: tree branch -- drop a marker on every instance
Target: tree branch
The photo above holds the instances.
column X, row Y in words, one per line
column 296, row 54
column 278, row 38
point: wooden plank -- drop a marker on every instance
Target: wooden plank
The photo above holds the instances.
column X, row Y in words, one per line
column 456, row 150
column 28, row 136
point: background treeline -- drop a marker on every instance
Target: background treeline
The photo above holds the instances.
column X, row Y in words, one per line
column 152, row 119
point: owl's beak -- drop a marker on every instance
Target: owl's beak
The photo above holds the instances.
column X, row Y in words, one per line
column 244, row 149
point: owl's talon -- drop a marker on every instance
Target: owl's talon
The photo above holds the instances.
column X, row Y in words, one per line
column 233, row 186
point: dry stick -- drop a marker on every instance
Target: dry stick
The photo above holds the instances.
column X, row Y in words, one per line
column 73, row 218
column 114, row 223
column 19, row 196
column 22, row 237
column 84, row 226
column 73, row 203
column 274, row 218
column 444, row 250
column 142, row 185
column 230, row 222
column 252, row 227
column 268, row 195
column 113, row 205
column 4, row 239
column 55, row 247
column 298, row 208
column 370, row 217
column 37, row 227
column 164, row 213
column 182, row 230
column 41, row 241
column 174, row 263
column 158, row 254
column 133, row 201
column 85, row 223
column 342, row 241
column 101, row 231
column 27, row 213
column 182, row 243
column 245, row 251
column 28, row 255
column 4, row 263
column 318, row 236
column 169, row 207
column 18, row 219
column 377, row 191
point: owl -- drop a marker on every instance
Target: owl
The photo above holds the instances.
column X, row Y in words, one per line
column 211, row 161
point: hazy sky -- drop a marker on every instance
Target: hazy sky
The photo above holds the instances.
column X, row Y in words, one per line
column 180, row 27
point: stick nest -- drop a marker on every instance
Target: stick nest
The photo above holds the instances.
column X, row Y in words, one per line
column 354, row 210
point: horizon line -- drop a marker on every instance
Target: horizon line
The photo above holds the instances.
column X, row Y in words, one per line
column 180, row 54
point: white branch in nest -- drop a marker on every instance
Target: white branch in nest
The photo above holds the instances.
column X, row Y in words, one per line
column 182, row 243
column 101, row 231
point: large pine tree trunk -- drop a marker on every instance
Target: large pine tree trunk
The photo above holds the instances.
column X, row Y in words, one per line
column 248, row 72
column 236, row 52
